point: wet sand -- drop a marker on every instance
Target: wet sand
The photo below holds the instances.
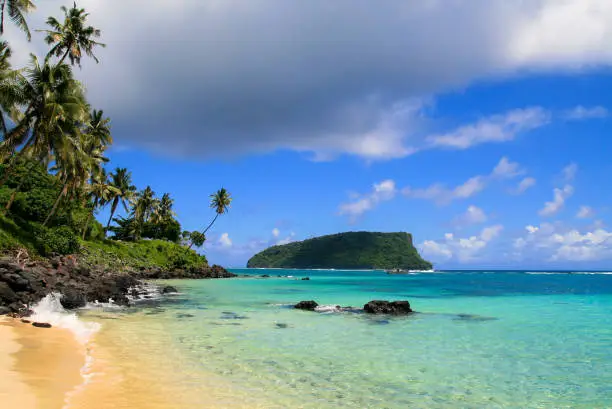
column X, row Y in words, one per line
column 38, row 366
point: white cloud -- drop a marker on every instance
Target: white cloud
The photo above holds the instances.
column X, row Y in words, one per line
column 269, row 75
column 523, row 186
column 460, row 249
column 507, row 169
column 555, row 243
column 560, row 196
column 497, row 128
column 581, row 113
column 381, row 192
column 473, row 215
column 585, row 212
column 275, row 232
column 225, row 240
column 286, row 240
column 569, row 172
column 440, row 194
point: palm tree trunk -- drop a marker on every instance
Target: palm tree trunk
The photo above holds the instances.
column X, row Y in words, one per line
column 113, row 208
column 206, row 229
column 56, row 204
column 2, row 18
column 14, row 194
column 64, row 56
column 211, row 223
column 89, row 216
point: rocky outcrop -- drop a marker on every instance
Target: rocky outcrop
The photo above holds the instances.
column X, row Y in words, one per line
column 22, row 285
column 214, row 271
column 306, row 305
column 387, row 307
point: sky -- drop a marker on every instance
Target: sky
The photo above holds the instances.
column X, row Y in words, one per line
column 482, row 127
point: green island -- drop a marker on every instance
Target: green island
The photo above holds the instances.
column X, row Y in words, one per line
column 351, row 250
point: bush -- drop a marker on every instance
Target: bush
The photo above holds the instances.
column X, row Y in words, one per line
column 61, row 240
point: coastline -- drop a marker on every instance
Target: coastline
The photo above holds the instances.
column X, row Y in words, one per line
column 38, row 367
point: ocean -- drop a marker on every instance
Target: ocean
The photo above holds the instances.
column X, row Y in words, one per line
column 478, row 339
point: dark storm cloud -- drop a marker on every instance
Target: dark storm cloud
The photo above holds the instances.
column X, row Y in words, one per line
column 209, row 77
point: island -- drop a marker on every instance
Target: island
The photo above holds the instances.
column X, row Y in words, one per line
column 393, row 252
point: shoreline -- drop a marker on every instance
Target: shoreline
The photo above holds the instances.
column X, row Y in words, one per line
column 39, row 368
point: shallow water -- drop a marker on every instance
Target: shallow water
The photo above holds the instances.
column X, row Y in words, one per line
column 479, row 339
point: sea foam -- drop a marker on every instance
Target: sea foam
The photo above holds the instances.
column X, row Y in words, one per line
column 50, row 310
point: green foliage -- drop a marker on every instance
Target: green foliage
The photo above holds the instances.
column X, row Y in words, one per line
column 60, row 240
column 359, row 250
column 167, row 229
column 197, row 238
column 142, row 254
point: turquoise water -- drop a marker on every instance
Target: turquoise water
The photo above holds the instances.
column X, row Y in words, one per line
column 479, row 339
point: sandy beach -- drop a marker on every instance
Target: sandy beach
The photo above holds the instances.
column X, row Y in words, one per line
column 37, row 370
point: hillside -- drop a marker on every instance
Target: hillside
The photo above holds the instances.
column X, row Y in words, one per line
column 358, row 250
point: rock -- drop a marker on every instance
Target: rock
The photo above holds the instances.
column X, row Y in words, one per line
column 306, row 305
column 387, row 307
column 7, row 295
column 168, row 289
column 5, row 310
column 264, row 276
column 73, row 298
column 41, row 325
column 26, row 321
column 281, row 325
column 306, row 279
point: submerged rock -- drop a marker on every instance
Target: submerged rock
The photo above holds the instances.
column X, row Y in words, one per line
column 168, row 289
column 306, row 305
column 41, row 325
column 387, row 307
column 306, row 279
column 473, row 318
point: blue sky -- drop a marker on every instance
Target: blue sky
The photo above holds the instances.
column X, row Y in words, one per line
column 483, row 128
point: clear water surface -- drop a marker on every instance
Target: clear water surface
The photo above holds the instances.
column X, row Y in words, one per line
column 479, row 339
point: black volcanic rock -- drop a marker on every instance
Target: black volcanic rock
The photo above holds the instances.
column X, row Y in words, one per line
column 387, row 307
column 306, row 305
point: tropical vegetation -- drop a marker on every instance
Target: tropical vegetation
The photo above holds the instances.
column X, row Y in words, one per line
column 351, row 250
column 54, row 175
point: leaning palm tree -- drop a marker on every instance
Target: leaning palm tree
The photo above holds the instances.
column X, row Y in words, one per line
column 72, row 37
column 16, row 10
column 121, row 180
column 220, row 201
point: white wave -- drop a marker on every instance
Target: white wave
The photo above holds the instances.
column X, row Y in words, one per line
column 50, row 310
column 328, row 308
column 569, row 272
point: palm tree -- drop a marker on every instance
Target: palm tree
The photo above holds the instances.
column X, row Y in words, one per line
column 144, row 205
column 56, row 105
column 121, row 180
column 80, row 159
column 163, row 209
column 220, row 201
column 72, row 37
column 48, row 128
column 16, row 10
column 101, row 192
column 11, row 91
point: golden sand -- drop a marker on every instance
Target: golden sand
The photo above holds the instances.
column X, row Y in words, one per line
column 38, row 366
